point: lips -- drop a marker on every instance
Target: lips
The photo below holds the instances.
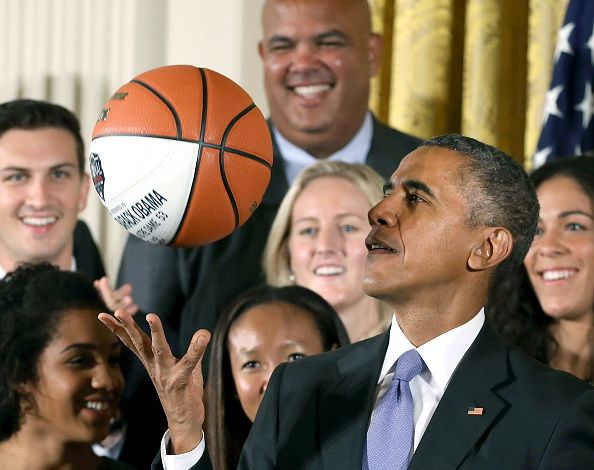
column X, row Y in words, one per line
column 39, row 221
column 375, row 245
column 561, row 274
column 329, row 270
column 310, row 83
column 97, row 405
column 307, row 91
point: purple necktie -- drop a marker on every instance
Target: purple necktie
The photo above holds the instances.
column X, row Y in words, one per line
column 391, row 431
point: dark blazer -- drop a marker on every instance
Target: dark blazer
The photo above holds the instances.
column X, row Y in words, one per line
column 200, row 282
column 86, row 254
column 316, row 412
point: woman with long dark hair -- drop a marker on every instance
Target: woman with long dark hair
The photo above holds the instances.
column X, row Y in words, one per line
column 261, row 328
column 546, row 308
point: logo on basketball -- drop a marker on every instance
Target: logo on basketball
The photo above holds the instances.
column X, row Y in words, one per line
column 97, row 174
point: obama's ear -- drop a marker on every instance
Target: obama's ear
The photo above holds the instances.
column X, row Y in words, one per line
column 495, row 247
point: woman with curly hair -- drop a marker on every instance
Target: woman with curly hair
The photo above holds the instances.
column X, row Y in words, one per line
column 60, row 378
column 546, row 308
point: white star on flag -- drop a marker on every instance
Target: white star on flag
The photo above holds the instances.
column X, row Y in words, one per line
column 551, row 103
column 541, row 156
column 563, row 41
column 590, row 44
column 585, row 106
column 570, row 98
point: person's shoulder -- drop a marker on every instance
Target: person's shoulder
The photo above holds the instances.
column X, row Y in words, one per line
column 327, row 362
column 546, row 384
column 110, row 464
column 383, row 132
column 388, row 147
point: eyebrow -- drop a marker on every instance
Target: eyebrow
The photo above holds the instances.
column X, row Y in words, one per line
column 247, row 351
column 85, row 346
column 89, row 346
column 575, row 212
column 333, row 33
column 336, row 216
column 419, row 186
column 55, row 167
column 408, row 185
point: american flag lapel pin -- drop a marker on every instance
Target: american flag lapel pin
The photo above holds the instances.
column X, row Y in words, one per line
column 475, row 411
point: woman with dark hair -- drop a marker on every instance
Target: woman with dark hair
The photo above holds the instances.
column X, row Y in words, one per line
column 60, row 378
column 546, row 308
column 262, row 328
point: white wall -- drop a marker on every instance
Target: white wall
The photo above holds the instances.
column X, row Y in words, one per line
column 221, row 35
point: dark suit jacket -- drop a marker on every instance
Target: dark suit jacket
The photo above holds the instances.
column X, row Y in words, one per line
column 200, row 282
column 316, row 411
column 86, row 254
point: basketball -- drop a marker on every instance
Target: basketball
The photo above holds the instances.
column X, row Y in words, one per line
column 180, row 156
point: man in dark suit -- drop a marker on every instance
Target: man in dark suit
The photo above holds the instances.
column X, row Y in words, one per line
column 457, row 216
column 318, row 59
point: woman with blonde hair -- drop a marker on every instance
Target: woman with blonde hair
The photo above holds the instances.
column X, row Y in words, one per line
column 317, row 240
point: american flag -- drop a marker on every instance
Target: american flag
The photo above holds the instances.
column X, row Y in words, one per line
column 568, row 127
column 475, row 410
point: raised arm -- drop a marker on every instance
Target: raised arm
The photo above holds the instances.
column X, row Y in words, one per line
column 179, row 382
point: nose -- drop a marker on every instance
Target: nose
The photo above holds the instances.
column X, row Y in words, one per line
column 383, row 213
column 38, row 193
column 329, row 240
column 106, row 377
column 550, row 243
column 266, row 378
column 304, row 57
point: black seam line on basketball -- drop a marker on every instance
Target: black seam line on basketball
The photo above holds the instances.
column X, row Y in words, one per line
column 200, row 147
column 222, row 160
column 178, row 126
column 251, row 156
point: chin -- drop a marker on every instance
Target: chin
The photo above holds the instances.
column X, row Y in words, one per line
column 370, row 284
column 558, row 311
column 373, row 290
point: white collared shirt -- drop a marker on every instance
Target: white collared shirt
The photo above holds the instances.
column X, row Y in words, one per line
column 296, row 159
column 441, row 355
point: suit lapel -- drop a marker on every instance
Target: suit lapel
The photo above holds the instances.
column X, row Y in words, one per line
column 452, row 432
column 381, row 158
column 346, row 404
column 278, row 185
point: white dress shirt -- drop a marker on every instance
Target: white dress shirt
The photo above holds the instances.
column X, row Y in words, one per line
column 296, row 159
column 441, row 355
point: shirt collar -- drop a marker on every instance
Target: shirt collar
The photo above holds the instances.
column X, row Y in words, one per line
column 441, row 355
column 296, row 159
